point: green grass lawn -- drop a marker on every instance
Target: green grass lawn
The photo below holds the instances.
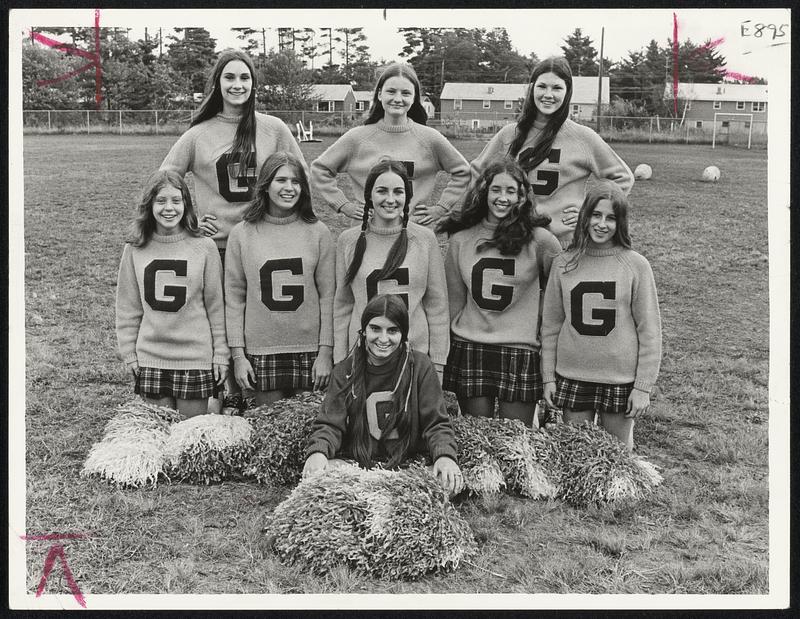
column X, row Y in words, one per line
column 704, row 531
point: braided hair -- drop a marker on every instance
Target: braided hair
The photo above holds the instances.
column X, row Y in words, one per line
column 397, row 253
column 358, row 436
column 532, row 157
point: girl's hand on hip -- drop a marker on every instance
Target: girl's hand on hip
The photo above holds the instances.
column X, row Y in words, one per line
column 133, row 366
column 315, row 462
column 323, row 365
column 447, row 473
column 355, row 211
column 548, row 391
column 206, row 226
column 570, row 216
column 243, row 373
column 220, row 372
column 638, row 403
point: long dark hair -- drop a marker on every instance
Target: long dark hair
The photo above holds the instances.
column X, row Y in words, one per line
column 397, row 69
column 397, row 253
column 533, row 157
column 243, row 150
column 358, row 437
column 144, row 225
column 259, row 205
column 514, row 231
column 601, row 190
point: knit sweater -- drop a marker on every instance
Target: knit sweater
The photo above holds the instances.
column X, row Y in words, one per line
column 420, row 280
column 358, row 150
column 601, row 322
column 170, row 311
column 279, row 285
column 204, row 149
column 494, row 299
column 560, row 180
column 430, row 428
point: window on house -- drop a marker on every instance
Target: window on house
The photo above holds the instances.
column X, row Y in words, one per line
column 576, row 109
column 719, row 90
column 747, row 124
column 758, row 106
column 739, row 106
column 726, row 123
column 490, row 90
column 717, row 105
column 360, row 106
column 508, row 105
column 456, row 104
column 487, row 104
column 325, row 106
column 699, row 124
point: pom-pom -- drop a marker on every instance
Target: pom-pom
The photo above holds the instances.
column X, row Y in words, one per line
column 280, row 433
column 711, row 174
column 643, row 172
column 389, row 524
column 131, row 452
column 208, row 448
column 596, row 468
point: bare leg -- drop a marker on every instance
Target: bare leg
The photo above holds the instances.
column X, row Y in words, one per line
column 167, row 401
column 619, row 426
column 268, row 397
column 578, row 417
column 518, row 410
column 192, row 408
column 482, row 406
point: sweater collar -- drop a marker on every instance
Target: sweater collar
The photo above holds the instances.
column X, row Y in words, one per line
column 610, row 251
column 395, row 128
column 228, row 119
column 386, row 231
column 539, row 124
column 487, row 225
column 168, row 238
column 386, row 368
column 281, row 221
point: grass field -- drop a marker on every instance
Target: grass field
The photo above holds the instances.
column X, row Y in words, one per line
column 704, row 531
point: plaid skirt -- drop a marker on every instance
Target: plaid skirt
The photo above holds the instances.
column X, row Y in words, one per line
column 474, row 370
column 179, row 384
column 579, row 395
column 283, row 371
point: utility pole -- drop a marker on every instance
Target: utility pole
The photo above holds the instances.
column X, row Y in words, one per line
column 600, row 80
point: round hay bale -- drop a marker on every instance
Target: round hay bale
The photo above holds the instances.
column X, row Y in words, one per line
column 280, row 433
column 643, row 172
column 386, row 524
column 131, row 452
column 711, row 174
column 208, row 448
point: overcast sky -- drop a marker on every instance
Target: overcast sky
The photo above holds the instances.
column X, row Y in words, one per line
column 531, row 30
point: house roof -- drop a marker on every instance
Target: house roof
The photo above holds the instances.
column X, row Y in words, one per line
column 363, row 95
column 584, row 90
column 331, row 92
column 719, row 92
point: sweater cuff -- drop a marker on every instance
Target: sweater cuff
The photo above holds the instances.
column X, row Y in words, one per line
column 337, row 206
column 236, row 342
column 548, row 378
column 130, row 357
column 220, row 360
column 319, row 447
column 642, row 385
column 444, row 450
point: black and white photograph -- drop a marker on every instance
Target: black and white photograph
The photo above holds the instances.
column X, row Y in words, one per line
column 376, row 308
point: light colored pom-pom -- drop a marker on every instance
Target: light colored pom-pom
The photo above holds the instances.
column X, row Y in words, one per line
column 208, row 448
column 711, row 174
column 388, row 524
column 131, row 452
column 643, row 172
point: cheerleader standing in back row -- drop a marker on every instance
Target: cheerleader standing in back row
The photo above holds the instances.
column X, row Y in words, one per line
column 601, row 327
column 279, row 285
column 557, row 154
column 396, row 128
column 170, row 315
column 499, row 254
column 387, row 253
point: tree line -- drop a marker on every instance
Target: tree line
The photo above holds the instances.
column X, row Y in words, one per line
column 163, row 70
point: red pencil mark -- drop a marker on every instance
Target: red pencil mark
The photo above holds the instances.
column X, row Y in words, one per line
column 739, row 76
column 57, row 552
column 710, row 45
column 68, row 49
column 674, row 64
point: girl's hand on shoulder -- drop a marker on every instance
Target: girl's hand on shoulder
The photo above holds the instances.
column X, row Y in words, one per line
column 133, row 366
column 354, row 211
column 323, row 365
column 447, row 473
column 220, row 372
column 638, row 403
column 425, row 215
column 243, row 373
column 315, row 462
column 548, row 391
column 570, row 216
column 206, row 226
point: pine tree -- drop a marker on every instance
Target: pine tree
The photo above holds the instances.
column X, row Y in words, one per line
column 580, row 54
column 192, row 55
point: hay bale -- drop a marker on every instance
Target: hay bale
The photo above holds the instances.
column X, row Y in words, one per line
column 387, row 524
column 596, row 468
column 280, row 433
column 131, row 451
column 208, row 448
